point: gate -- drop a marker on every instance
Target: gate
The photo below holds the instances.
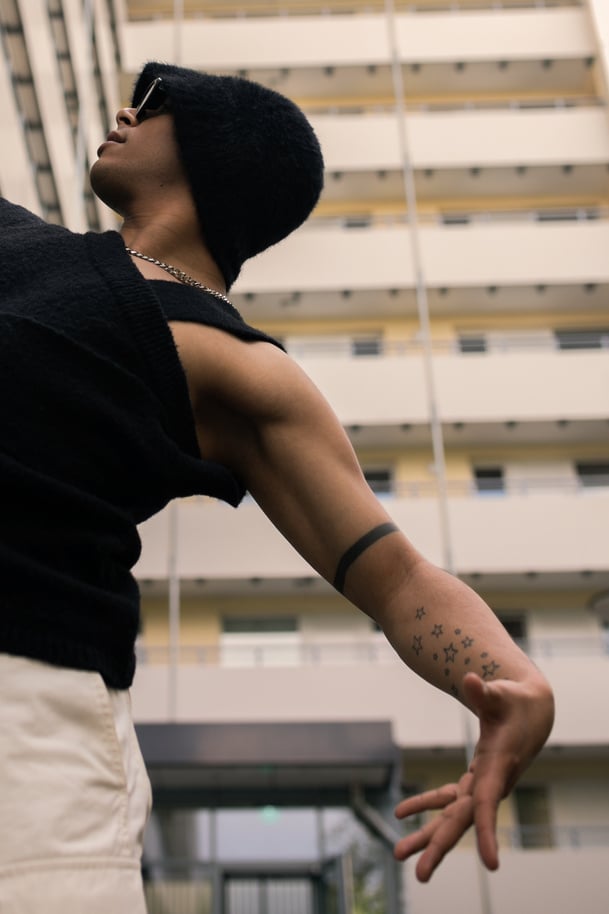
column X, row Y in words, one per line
column 288, row 891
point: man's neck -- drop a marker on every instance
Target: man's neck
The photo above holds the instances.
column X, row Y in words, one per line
column 180, row 248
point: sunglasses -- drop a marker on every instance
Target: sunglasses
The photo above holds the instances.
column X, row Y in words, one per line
column 154, row 101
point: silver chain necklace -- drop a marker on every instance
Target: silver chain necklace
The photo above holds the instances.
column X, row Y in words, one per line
column 180, row 275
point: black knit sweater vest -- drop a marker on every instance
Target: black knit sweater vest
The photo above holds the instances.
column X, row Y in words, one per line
column 96, row 436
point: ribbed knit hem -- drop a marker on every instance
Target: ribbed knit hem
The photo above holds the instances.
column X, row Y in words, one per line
column 37, row 644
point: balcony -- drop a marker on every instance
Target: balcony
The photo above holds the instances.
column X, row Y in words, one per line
column 355, row 681
column 543, row 529
column 311, row 41
column 476, row 387
column 481, row 253
column 466, row 138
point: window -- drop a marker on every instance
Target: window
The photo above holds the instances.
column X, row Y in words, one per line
column 260, row 641
column 366, row 345
column 593, row 474
column 455, row 219
column 354, row 222
column 566, row 215
column 489, row 479
column 605, row 634
column 380, row 480
column 515, row 625
column 582, row 339
column 250, row 625
column 532, row 807
column 472, row 343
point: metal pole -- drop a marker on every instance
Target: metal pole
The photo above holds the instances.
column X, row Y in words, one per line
column 425, row 324
column 421, row 291
column 178, row 20
column 486, row 904
column 81, row 129
column 174, row 611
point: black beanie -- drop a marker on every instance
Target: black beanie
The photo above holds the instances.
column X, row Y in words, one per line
column 253, row 161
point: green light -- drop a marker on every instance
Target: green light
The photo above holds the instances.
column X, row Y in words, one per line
column 269, row 814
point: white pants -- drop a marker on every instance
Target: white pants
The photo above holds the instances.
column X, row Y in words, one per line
column 74, row 794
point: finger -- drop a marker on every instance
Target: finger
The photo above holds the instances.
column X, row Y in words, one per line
column 419, row 839
column 486, row 837
column 486, row 802
column 414, row 843
column 431, row 799
column 453, row 823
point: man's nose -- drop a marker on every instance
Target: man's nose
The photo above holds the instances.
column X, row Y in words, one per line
column 125, row 117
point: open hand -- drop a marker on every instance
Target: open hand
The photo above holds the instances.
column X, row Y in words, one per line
column 515, row 721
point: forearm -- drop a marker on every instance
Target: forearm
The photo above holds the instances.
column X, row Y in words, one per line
column 442, row 629
column 437, row 624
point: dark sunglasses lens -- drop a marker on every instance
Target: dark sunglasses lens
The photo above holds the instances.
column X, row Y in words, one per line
column 154, row 98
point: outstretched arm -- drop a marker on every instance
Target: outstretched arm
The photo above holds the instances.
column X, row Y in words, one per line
column 272, row 426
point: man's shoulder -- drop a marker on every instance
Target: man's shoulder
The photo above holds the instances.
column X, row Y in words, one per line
column 254, row 377
column 14, row 214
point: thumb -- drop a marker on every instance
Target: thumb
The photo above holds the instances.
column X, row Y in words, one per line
column 484, row 698
column 475, row 690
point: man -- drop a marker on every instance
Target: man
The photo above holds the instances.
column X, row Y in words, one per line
column 135, row 381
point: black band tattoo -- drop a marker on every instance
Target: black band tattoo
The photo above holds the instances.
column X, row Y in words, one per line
column 354, row 551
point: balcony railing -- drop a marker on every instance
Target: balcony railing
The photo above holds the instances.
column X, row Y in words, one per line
column 240, row 9
column 468, row 488
column 375, row 650
column 496, row 103
column 554, row 836
column 465, row 217
column 525, row 486
column 377, row 347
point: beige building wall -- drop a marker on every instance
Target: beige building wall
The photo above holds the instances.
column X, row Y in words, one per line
column 509, row 135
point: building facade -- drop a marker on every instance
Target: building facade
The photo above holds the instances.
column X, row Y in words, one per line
column 450, row 296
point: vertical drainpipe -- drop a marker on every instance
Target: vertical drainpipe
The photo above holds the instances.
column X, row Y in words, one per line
column 172, row 558
column 82, row 126
column 173, row 575
column 421, row 290
column 178, row 22
column 425, row 326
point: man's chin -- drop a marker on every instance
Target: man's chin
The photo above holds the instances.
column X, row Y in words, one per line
column 104, row 184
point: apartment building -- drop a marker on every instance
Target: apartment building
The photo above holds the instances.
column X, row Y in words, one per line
column 450, row 296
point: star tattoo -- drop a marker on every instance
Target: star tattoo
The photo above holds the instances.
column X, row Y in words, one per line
column 489, row 669
column 420, row 612
column 417, row 644
column 450, row 653
column 437, row 630
column 467, row 642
